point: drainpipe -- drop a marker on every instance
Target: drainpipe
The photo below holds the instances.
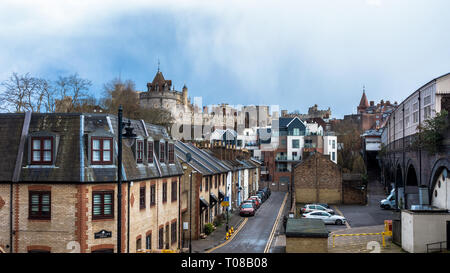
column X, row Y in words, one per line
column 16, row 174
column 11, row 218
column 128, row 217
column 179, row 212
column 420, row 149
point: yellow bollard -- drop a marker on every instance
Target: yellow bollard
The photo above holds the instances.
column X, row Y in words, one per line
column 232, row 229
column 334, row 236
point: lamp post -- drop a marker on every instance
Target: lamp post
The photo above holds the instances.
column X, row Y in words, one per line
column 130, row 135
column 119, row 182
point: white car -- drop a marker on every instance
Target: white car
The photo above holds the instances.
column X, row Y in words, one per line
column 326, row 217
column 313, row 207
column 256, row 196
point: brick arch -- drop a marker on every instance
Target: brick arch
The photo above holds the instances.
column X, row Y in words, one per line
column 410, row 176
column 102, row 246
column 399, row 175
column 439, row 165
column 39, row 247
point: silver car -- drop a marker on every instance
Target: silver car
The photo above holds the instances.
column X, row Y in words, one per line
column 326, row 217
column 313, row 207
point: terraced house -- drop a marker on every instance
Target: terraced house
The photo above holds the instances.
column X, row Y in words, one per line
column 58, row 185
column 209, row 186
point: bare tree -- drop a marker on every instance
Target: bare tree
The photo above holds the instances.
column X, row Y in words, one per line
column 74, row 87
column 117, row 92
column 24, row 93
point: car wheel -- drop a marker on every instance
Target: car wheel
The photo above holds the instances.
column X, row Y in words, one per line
column 338, row 222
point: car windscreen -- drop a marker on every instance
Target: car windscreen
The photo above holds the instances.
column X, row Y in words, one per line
column 247, row 206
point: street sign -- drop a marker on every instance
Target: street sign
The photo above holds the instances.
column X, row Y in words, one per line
column 225, row 203
column 185, row 225
column 102, row 234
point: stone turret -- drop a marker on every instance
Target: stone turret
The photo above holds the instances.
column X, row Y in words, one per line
column 185, row 95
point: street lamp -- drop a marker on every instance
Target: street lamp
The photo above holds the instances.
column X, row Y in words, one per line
column 129, row 134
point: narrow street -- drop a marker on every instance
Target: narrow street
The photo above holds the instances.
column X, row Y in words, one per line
column 255, row 234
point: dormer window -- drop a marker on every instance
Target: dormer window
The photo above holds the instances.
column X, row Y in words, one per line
column 140, row 151
column 162, row 152
column 42, row 150
column 150, row 152
column 101, row 152
column 171, row 153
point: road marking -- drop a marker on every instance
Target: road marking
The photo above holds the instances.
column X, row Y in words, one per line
column 269, row 242
column 340, row 213
column 231, row 238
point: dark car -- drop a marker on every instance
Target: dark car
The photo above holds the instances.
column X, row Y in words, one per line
column 247, row 209
column 262, row 196
column 267, row 190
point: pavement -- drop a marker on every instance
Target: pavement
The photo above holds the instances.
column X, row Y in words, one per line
column 217, row 237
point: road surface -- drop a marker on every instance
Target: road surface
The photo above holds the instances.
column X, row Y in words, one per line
column 254, row 235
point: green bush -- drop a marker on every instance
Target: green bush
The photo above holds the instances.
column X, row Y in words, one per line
column 209, row 228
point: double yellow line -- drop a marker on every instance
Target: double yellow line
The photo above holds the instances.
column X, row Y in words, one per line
column 269, row 242
column 231, row 238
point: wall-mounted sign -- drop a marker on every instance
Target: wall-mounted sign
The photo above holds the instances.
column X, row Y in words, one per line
column 102, row 234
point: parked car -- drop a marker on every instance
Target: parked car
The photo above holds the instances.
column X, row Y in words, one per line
column 247, row 209
column 257, row 201
column 267, row 189
column 261, row 196
column 389, row 202
column 324, row 205
column 326, row 217
column 312, row 207
column 256, row 196
column 264, row 193
column 251, row 201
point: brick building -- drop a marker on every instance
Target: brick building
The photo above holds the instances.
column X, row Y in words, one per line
column 371, row 116
column 58, row 183
column 217, row 172
column 317, row 179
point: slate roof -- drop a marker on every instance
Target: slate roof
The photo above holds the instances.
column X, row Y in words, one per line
column 304, row 227
column 202, row 161
column 10, row 125
column 66, row 129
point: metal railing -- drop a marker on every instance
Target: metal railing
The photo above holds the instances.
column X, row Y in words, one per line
column 436, row 249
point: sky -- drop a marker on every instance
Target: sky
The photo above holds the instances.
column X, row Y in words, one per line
column 289, row 53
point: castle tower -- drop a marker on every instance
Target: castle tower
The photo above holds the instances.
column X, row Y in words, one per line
column 185, row 95
column 363, row 104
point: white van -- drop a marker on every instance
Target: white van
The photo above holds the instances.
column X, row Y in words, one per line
column 389, row 202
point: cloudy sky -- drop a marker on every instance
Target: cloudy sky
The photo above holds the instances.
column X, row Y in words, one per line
column 289, row 53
